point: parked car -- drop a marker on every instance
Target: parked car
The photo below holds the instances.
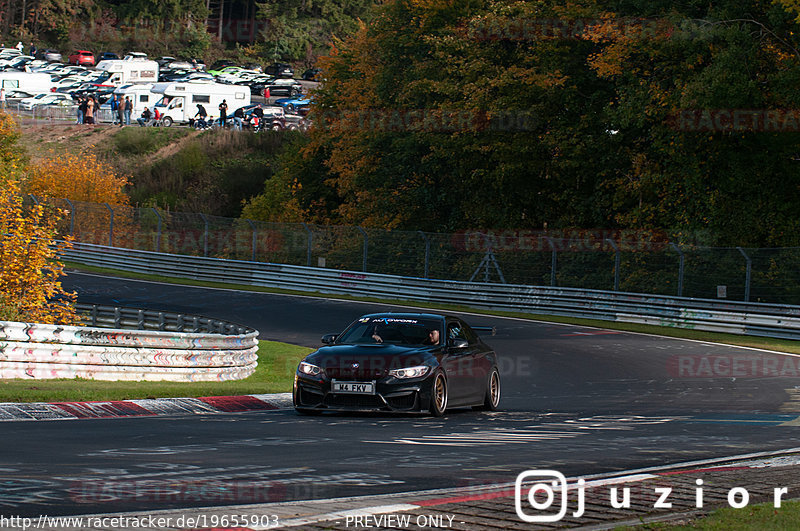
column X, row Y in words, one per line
column 222, row 63
column 45, row 99
column 279, row 70
column 278, row 87
column 107, row 56
column 135, row 56
column 312, row 74
column 197, row 64
column 18, row 95
column 51, row 56
column 296, row 105
column 81, row 57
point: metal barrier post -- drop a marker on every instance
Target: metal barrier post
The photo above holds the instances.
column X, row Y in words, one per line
column 253, row 226
column 366, row 243
column 682, row 259
column 616, row 263
column 553, row 261
column 747, row 275
column 427, row 252
column 205, row 234
column 158, row 231
column 310, row 242
column 110, row 226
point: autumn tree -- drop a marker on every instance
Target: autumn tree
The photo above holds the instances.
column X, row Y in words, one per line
column 30, row 289
column 78, row 177
column 562, row 115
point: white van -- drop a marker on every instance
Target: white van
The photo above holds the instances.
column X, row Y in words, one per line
column 30, row 82
column 180, row 100
column 125, row 71
column 141, row 96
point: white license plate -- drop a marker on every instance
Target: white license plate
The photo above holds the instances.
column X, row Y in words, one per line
column 359, row 388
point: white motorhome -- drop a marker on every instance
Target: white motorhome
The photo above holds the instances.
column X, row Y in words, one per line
column 141, row 96
column 30, row 82
column 125, row 71
column 180, row 100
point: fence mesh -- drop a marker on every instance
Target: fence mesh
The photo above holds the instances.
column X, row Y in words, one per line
column 594, row 262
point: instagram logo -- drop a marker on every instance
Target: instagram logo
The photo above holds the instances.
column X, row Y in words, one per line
column 543, row 487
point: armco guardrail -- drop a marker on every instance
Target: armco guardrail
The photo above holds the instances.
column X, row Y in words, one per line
column 129, row 344
column 769, row 320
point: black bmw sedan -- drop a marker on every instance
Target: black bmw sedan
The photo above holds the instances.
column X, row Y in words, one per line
column 400, row 362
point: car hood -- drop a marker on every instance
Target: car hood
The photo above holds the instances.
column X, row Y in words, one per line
column 343, row 361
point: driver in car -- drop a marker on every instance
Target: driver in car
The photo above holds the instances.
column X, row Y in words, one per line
column 433, row 337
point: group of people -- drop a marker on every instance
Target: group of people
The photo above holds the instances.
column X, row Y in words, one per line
column 21, row 48
column 121, row 109
column 87, row 107
column 201, row 120
column 149, row 118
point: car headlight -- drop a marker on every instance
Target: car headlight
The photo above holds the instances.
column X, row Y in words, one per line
column 410, row 372
column 311, row 370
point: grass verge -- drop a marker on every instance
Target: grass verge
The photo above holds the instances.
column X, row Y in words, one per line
column 762, row 516
column 274, row 374
column 780, row 345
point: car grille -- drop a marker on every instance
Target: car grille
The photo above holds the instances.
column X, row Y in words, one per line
column 360, row 374
column 365, row 401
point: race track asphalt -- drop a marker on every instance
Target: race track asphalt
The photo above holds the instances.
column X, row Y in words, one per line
column 575, row 399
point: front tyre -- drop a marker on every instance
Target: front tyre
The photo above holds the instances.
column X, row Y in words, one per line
column 166, row 121
column 438, row 403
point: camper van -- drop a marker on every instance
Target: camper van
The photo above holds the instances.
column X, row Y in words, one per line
column 180, row 100
column 124, row 71
column 141, row 96
column 30, row 82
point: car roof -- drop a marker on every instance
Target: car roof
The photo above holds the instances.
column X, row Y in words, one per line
column 405, row 315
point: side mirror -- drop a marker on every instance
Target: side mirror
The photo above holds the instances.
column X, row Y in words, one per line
column 328, row 339
column 459, row 343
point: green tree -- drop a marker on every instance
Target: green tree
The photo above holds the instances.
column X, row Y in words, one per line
column 567, row 115
column 304, row 30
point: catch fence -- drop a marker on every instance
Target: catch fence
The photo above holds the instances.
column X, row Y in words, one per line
column 634, row 262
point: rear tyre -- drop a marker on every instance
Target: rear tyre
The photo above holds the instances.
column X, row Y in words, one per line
column 438, row 403
column 492, row 399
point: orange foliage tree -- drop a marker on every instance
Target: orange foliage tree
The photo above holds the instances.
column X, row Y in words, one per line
column 30, row 289
column 79, row 177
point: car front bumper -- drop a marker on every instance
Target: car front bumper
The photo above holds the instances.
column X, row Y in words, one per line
column 391, row 394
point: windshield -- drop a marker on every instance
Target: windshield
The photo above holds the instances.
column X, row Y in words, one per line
column 392, row 330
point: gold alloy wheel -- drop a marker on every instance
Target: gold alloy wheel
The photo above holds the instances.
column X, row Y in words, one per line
column 494, row 389
column 440, row 393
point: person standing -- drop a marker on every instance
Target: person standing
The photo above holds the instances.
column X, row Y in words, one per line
column 81, row 109
column 128, row 110
column 3, row 98
column 114, row 104
column 223, row 113
column 89, row 112
column 33, row 50
column 238, row 117
column 121, row 111
column 19, row 46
